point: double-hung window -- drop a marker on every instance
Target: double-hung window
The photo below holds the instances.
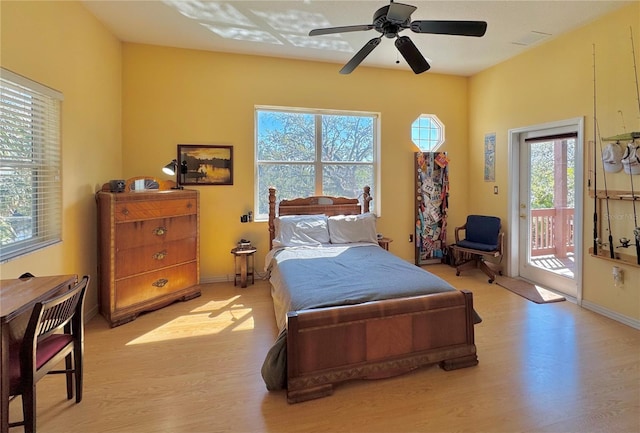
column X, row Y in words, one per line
column 304, row 152
column 30, row 184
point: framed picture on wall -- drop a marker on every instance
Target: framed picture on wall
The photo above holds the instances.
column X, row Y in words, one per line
column 490, row 157
column 205, row 164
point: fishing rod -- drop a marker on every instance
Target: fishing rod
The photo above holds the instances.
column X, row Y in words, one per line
column 595, row 162
column 596, row 139
column 606, row 194
column 636, row 229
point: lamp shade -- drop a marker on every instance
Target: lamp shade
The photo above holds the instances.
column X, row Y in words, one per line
column 170, row 168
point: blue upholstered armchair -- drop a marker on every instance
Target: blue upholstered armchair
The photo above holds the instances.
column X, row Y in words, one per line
column 483, row 238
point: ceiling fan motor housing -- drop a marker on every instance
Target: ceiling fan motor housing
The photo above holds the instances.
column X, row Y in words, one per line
column 384, row 26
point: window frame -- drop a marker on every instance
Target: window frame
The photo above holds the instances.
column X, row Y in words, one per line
column 439, row 126
column 317, row 162
column 37, row 109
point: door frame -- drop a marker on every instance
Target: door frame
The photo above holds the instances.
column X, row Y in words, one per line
column 513, row 243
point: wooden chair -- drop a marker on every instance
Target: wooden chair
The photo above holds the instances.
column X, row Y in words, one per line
column 55, row 332
column 483, row 238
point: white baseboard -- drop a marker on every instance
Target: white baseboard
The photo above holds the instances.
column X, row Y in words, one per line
column 226, row 278
column 216, row 279
column 634, row 323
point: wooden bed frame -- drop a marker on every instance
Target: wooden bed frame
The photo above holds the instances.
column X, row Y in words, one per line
column 379, row 339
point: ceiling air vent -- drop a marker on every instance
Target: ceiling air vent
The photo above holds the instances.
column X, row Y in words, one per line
column 531, row 38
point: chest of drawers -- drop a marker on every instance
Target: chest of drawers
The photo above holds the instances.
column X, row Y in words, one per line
column 148, row 251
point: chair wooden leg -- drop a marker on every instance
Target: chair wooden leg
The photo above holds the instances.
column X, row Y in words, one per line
column 29, row 408
column 491, row 269
column 69, row 375
column 79, row 371
column 469, row 264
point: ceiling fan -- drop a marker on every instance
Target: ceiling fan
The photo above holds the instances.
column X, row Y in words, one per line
column 389, row 21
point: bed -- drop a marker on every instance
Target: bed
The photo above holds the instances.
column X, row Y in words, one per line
column 347, row 309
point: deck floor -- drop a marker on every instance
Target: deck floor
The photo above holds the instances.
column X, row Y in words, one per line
column 559, row 265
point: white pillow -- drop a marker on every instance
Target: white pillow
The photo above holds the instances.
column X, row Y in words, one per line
column 345, row 229
column 301, row 230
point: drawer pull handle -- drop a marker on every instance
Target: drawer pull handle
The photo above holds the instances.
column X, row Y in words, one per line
column 160, row 283
column 160, row 255
column 125, row 211
column 160, row 231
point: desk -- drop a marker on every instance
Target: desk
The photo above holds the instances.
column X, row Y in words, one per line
column 243, row 254
column 18, row 297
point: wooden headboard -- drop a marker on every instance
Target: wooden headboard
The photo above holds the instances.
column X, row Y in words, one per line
column 315, row 205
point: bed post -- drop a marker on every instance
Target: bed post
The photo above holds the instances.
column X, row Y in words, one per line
column 272, row 216
column 366, row 198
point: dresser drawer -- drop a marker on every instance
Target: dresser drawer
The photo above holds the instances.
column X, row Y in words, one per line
column 140, row 210
column 149, row 257
column 146, row 287
column 155, row 232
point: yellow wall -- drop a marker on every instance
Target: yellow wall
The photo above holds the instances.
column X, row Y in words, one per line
column 174, row 96
column 127, row 106
column 555, row 82
column 61, row 45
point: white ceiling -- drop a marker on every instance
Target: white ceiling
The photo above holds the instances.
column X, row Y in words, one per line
column 280, row 28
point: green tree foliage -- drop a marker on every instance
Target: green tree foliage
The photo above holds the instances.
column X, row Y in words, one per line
column 297, row 151
column 542, row 174
column 16, row 180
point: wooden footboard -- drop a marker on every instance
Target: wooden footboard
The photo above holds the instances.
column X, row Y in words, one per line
column 376, row 340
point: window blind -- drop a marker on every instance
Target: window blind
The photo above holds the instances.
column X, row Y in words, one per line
column 30, row 166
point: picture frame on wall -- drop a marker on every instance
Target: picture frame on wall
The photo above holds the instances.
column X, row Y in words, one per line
column 490, row 157
column 203, row 164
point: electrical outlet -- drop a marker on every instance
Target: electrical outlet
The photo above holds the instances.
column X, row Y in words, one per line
column 410, row 238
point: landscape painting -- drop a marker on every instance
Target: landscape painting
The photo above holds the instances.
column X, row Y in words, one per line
column 206, row 164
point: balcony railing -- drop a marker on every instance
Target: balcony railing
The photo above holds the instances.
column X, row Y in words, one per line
column 552, row 232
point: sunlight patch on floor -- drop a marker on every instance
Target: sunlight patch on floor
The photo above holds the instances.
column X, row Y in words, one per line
column 545, row 294
column 209, row 319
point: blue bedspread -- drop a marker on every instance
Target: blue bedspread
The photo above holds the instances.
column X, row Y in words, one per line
column 304, row 278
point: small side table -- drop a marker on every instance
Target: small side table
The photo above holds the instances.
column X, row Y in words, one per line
column 384, row 243
column 246, row 266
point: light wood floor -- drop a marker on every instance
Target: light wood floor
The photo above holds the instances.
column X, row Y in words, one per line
column 195, row 367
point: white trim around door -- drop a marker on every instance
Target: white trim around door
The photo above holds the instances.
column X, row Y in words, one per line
column 513, row 244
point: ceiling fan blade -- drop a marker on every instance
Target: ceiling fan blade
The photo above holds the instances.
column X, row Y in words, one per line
column 459, row 28
column 344, row 29
column 399, row 13
column 411, row 54
column 360, row 56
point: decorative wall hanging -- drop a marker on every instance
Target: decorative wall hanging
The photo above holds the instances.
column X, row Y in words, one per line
column 206, row 164
column 490, row 157
column 432, row 203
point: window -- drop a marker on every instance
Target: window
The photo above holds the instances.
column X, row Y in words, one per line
column 427, row 132
column 30, row 186
column 312, row 152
